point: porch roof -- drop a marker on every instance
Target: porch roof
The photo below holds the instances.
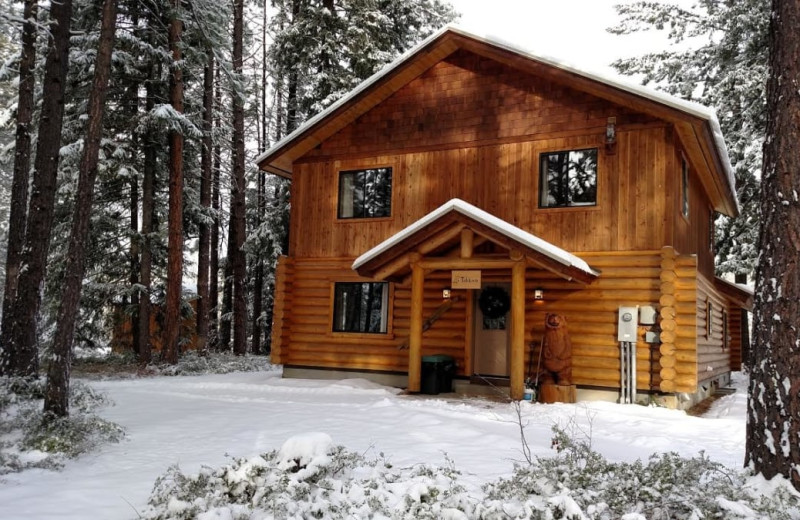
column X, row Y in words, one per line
column 442, row 228
column 739, row 294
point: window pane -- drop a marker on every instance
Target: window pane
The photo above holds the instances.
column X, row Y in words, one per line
column 360, row 307
column 568, row 178
column 365, row 193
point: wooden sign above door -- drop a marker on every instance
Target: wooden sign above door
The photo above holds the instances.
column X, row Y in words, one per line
column 465, row 280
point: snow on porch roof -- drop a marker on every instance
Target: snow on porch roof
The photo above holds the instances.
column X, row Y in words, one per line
column 523, row 237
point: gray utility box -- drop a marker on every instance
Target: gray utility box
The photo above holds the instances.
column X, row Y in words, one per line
column 628, row 324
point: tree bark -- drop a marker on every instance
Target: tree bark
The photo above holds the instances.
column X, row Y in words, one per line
column 56, row 395
column 43, row 190
column 19, row 188
column 773, row 420
column 202, row 311
column 172, row 326
column 237, row 254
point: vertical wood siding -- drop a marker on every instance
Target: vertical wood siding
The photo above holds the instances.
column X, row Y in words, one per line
column 501, row 179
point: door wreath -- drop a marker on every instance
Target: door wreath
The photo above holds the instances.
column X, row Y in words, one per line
column 494, row 302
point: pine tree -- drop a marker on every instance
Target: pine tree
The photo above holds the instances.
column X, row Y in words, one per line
column 56, row 400
column 725, row 68
column 236, row 254
column 773, row 421
column 172, row 328
column 19, row 325
column 18, row 212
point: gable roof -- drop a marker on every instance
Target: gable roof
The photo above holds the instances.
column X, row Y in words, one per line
column 696, row 125
column 447, row 221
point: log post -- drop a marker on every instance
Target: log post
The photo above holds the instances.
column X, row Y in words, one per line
column 415, row 332
column 518, row 330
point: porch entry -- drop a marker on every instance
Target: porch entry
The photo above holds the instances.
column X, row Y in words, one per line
column 450, row 238
column 491, row 326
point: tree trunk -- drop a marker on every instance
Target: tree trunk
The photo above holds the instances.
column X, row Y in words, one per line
column 40, row 215
column 205, row 202
column 773, row 422
column 258, row 261
column 19, row 188
column 172, row 326
column 213, row 264
column 135, row 247
column 56, row 394
column 143, row 347
column 238, row 262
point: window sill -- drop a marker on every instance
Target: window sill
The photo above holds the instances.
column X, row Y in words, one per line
column 568, row 209
column 355, row 220
column 363, row 335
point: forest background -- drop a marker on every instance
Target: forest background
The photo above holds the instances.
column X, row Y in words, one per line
column 195, row 90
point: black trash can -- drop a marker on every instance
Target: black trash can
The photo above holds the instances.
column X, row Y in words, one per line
column 437, row 374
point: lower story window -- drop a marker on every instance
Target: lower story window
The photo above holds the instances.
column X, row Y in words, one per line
column 360, row 307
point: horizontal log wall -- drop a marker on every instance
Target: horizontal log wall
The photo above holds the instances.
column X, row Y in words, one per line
column 713, row 355
column 627, row 279
column 631, row 278
column 684, row 336
column 308, row 340
column 735, row 332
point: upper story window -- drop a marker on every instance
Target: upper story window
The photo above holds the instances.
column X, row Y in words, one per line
column 365, row 193
column 568, row 178
column 360, row 307
column 684, row 187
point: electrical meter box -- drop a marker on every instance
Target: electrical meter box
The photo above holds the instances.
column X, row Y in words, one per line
column 628, row 324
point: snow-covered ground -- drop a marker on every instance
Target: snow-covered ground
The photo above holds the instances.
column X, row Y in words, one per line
column 203, row 420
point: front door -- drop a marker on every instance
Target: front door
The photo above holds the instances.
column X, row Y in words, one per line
column 491, row 332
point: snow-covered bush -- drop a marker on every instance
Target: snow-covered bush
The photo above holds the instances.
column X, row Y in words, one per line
column 212, row 363
column 580, row 483
column 29, row 438
column 310, row 477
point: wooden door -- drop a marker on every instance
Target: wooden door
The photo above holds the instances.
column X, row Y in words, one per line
column 491, row 339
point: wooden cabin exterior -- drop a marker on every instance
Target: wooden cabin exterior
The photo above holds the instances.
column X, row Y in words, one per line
column 619, row 181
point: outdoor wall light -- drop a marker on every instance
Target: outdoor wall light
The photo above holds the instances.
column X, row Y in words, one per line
column 611, row 135
column 538, row 294
column 446, row 293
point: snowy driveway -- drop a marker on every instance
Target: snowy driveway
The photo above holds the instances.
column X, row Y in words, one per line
column 200, row 420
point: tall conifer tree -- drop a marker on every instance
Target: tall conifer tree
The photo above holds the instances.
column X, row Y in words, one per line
column 773, row 418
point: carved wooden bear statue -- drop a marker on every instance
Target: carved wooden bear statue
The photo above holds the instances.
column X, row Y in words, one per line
column 557, row 351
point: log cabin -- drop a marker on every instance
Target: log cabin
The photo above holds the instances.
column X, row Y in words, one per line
column 452, row 201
